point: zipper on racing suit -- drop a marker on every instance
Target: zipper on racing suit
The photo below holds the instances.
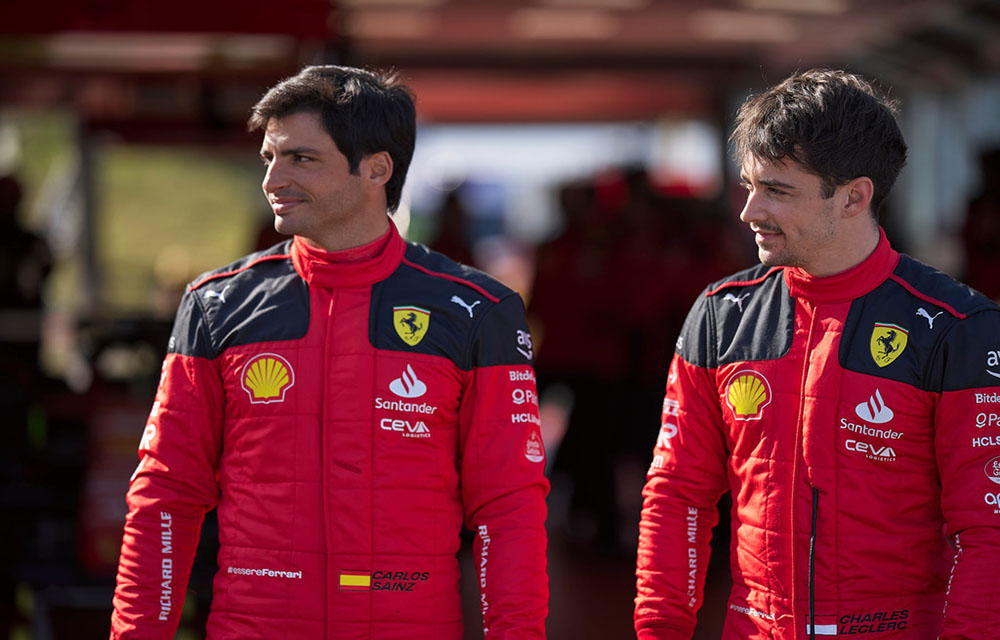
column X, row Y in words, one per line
column 812, row 565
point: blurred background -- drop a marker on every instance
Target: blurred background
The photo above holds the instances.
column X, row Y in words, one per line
column 575, row 149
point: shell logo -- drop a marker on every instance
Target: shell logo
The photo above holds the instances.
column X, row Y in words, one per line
column 749, row 392
column 266, row 378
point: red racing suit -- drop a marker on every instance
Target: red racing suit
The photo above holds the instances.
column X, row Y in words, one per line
column 344, row 412
column 856, row 421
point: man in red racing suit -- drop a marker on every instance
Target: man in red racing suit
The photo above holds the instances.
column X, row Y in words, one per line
column 345, row 411
column 847, row 396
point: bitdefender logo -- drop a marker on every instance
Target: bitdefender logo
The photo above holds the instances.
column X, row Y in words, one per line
column 874, row 410
column 988, row 398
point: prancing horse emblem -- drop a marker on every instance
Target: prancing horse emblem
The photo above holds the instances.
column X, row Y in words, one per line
column 411, row 323
column 887, row 342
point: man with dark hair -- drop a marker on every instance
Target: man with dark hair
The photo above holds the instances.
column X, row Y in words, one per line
column 346, row 400
column 847, row 395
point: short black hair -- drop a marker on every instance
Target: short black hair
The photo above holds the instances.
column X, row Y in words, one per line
column 831, row 122
column 363, row 111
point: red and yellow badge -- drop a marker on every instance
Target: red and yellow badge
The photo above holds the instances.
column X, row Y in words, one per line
column 888, row 341
column 266, row 378
column 355, row 580
column 749, row 392
column 411, row 323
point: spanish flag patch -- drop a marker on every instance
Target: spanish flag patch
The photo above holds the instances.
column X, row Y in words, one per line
column 355, row 580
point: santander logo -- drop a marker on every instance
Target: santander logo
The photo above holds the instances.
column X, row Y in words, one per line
column 875, row 410
column 408, row 385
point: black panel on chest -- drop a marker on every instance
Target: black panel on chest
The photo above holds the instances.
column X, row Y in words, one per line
column 754, row 323
column 890, row 334
column 418, row 313
column 270, row 304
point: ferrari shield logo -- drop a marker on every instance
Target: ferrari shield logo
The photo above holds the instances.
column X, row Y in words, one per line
column 888, row 341
column 411, row 323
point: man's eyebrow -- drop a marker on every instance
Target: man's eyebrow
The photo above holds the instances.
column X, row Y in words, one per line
column 769, row 183
column 300, row 151
column 295, row 151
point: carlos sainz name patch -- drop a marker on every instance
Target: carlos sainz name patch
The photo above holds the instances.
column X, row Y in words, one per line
column 381, row 580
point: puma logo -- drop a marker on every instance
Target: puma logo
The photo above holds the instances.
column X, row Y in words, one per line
column 464, row 304
column 739, row 301
column 930, row 319
column 221, row 295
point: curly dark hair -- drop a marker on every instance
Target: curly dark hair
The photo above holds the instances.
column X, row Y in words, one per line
column 831, row 122
column 364, row 112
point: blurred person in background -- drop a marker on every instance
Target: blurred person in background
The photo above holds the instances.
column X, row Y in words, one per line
column 846, row 394
column 25, row 262
column 981, row 231
column 25, row 258
column 346, row 400
column 452, row 237
column 581, row 349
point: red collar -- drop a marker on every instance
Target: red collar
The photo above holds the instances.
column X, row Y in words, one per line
column 846, row 285
column 354, row 267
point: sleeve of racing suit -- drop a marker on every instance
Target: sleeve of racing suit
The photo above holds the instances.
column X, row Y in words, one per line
column 502, row 475
column 683, row 485
column 967, row 441
column 172, row 488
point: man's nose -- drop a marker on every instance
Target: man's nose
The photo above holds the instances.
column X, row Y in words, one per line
column 752, row 211
column 274, row 176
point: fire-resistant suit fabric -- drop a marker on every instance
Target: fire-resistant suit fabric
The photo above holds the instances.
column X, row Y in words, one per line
column 345, row 412
column 856, row 421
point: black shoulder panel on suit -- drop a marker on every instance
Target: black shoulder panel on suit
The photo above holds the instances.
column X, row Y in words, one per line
column 916, row 324
column 436, row 306
column 747, row 316
column 259, row 298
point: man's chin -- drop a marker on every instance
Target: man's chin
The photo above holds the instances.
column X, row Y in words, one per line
column 771, row 259
column 284, row 226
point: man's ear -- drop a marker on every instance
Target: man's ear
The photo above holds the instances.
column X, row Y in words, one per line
column 859, row 193
column 376, row 168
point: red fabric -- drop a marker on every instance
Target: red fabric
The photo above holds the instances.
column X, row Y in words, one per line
column 333, row 522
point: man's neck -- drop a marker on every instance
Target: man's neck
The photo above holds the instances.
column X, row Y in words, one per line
column 853, row 249
column 364, row 231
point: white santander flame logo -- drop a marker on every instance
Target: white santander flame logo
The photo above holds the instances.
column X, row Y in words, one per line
column 874, row 410
column 408, row 385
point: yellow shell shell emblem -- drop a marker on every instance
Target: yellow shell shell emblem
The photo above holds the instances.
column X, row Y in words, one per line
column 411, row 323
column 888, row 341
column 266, row 378
column 749, row 392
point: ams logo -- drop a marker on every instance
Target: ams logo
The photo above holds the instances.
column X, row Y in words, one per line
column 411, row 323
column 887, row 342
